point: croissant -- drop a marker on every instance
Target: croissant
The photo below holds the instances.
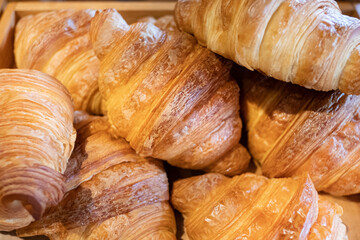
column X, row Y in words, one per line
column 292, row 130
column 170, row 98
column 58, row 43
column 111, row 191
column 254, row 207
column 309, row 43
column 36, row 140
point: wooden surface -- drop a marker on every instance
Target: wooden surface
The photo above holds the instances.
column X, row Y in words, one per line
column 132, row 11
column 2, row 6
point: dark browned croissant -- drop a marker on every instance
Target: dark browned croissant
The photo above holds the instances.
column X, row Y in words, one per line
column 169, row 97
column 36, row 140
column 58, row 43
column 254, row 207
column 307, row 42
column 292, row 130
column 112, row 192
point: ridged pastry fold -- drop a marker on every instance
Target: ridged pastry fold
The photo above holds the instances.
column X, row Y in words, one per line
column 36, row 139
column 112, row 192
column 58, row 43
column 309, row 43
column 170, row 98
column 293, row 130
column 250, row 206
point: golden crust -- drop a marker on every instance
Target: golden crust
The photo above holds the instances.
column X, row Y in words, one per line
column 58, row 43
column 37, row 138
column 169, row 97
column 292, row 130
column 251, row 206
column 309, row 42
column 109, row 187
column 155, row 221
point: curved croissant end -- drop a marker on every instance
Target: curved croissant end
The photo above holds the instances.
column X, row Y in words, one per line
column 25, row 192
column 170, row 98
column 293, row 130
column 106, row 27
column 37, row 138
column 217, row 207
column 58, row 44
column 309, row 43
column 111, row 191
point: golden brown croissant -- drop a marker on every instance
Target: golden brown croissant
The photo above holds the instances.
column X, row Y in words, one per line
column 169, row 97
column 36, row 140
column 150, row 222
column 58, row 43
column 254, row 207
column 111, row 191
column 292, row 130
column 309, row 42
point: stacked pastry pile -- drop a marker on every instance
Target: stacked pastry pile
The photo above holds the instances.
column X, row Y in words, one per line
column 163, row 94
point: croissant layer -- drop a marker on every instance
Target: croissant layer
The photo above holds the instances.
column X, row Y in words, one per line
column 111, row 191
column 254, row 207
column 309, row 43
column 155, row 221
column 171, row 98
column 292, row 130
column 58, row 43
column 36, row 140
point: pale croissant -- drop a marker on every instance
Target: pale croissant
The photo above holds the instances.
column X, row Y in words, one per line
column 112, row 192
column 254, row 207
column 292, row 130
column 58, row 43
column 36, row 140
column 308, row 42
column 169, row 97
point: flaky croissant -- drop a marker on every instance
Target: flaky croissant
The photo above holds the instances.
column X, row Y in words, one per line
column 254, row 207
column 169, row 97
column 308, row 42
column 150, row 222
column 36, row 140
column 292, row 130
column 112, row 192
column 58, row 43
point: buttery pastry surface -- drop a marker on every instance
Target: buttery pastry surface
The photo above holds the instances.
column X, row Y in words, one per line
column 292, row 130
column 36, row 140
column 309, row 43
column 169, row 97
column 58, row 43
column 254, row 207
column 111, row 191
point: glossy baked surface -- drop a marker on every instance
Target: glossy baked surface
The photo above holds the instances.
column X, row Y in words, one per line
column 310, row 43
column 169, row 97
column 293, row 130
column 254, row 207
column 58, row 43
column 111, row 191
column 36, row 140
